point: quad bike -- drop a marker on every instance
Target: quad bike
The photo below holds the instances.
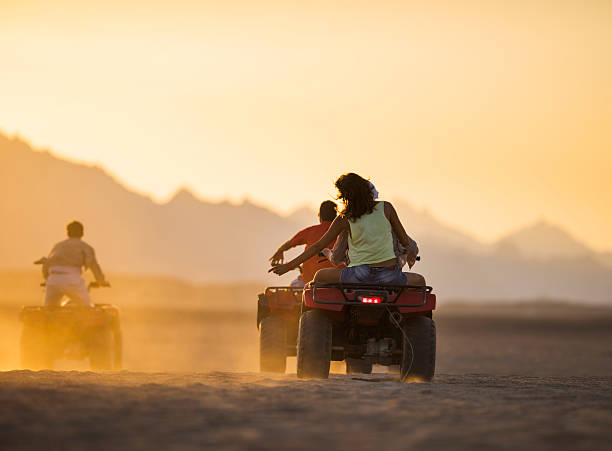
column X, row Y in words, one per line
column 364, row 325
column 71, row 332
column 278, row 314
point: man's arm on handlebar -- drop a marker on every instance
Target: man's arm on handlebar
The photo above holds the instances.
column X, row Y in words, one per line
column 92, row 263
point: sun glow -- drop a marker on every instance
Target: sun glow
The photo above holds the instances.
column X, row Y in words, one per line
column 489, row 114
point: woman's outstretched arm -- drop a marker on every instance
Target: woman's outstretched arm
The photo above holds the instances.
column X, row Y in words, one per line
column 334, row 230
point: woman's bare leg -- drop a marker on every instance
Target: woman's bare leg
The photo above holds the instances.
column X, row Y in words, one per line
column 415, row 280
column 331, row 275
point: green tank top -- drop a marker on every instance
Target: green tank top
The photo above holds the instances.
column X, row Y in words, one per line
column 370, row 240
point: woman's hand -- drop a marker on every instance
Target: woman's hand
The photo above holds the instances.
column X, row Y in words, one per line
column 280, row 269
column 277, row 258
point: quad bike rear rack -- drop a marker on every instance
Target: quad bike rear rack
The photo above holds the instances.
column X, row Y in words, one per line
column 294, row 291
column 358, row 287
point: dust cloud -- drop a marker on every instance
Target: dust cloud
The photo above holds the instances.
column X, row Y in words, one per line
column 167, row 325
column 513, row 375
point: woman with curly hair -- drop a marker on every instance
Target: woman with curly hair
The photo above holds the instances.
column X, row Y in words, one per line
column 369, row 224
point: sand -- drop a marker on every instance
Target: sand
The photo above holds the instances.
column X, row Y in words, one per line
column 250, row 411
column 513, row 376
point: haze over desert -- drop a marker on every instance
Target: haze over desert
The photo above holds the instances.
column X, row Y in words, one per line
column 533, row 375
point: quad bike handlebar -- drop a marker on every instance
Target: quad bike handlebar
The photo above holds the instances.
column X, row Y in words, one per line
column 43, row 260
column 104, row 284
column 90, row 285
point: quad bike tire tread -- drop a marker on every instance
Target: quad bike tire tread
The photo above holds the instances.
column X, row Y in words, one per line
column 314, row 346
column 272, row 345
column 421, row 331
column 117, row 350
column 101, row 349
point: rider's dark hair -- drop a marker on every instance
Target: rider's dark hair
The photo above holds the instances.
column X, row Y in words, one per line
column 327, row 210
column 356, row 193
column 75, row 229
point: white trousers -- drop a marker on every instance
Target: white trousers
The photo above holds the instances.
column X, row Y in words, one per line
column 66, row 281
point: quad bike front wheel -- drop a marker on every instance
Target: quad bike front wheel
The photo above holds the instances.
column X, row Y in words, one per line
column 272, row 345
column 101, row 349
column 117, row 350
column 419, row 349
column 34, row 348
column 314, row 345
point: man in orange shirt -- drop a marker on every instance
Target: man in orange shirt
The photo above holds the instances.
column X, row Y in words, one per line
column 309, row 236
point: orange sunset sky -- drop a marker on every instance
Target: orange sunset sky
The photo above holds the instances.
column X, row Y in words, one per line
column 490, row 114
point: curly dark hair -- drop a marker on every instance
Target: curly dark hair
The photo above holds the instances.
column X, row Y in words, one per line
column 356, row 193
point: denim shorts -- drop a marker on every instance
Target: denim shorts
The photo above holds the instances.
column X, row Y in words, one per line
column 374, row 275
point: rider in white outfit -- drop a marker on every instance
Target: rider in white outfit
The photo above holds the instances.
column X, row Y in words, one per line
column 62, row 269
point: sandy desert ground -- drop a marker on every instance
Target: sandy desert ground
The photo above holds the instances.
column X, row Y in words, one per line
column 509, row 376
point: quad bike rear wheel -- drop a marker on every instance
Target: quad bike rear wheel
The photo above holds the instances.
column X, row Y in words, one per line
column 272, row 345
column 35, row 353
column 358, row 366
column 101, row 349
column 419, row 349
column 314, row 345
column 117, row 350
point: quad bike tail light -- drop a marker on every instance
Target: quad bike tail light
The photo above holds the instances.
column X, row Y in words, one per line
column 371, row 297
column 371, row 300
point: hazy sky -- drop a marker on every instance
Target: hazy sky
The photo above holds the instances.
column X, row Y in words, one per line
column 489, row 114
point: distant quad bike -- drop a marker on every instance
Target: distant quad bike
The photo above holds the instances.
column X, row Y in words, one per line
column 366, row 325
column 71, row 332
column 278, row 314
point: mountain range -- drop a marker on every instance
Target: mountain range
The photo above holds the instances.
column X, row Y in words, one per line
column 201, row 241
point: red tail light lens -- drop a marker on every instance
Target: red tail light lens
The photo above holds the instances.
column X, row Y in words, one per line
column 371, row 300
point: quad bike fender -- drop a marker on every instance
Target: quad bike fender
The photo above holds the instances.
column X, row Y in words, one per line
column 283, row 298
column 284, row 302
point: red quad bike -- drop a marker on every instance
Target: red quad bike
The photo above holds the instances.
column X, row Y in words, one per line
column 71, row 332
column 364, row 325
column 278, row 314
